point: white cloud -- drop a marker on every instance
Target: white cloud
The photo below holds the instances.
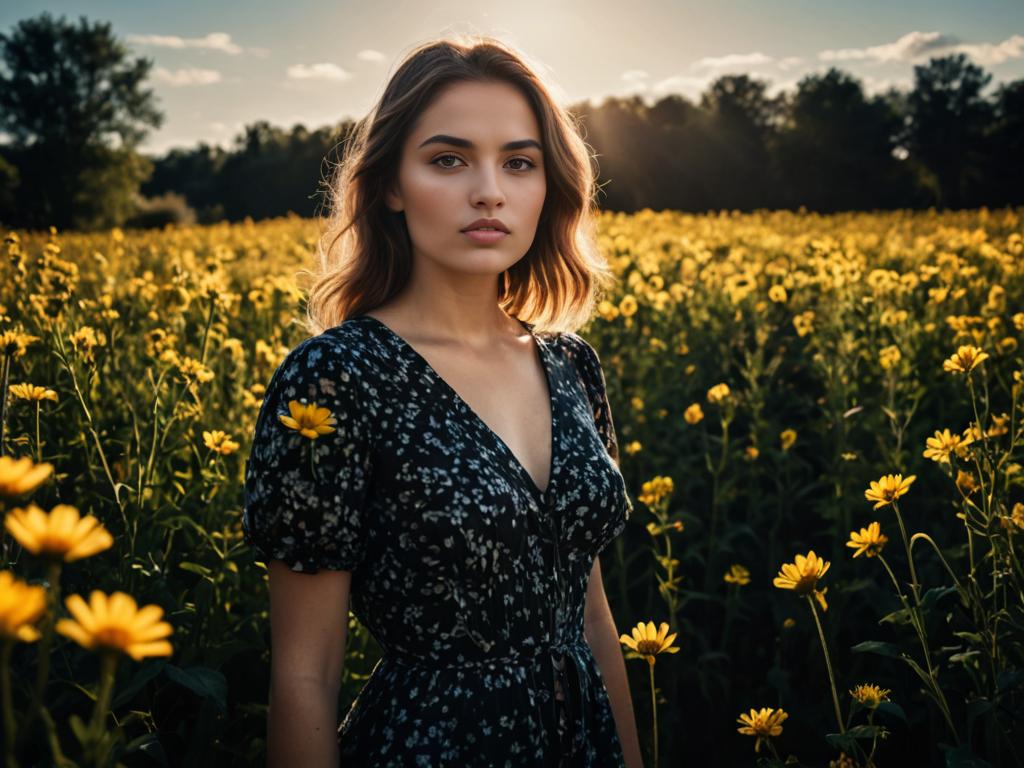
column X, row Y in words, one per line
column 916, row 46
column 691, row 87
column 321, row 71
column 994, row 53
column 911, row 47
column 215, row 41
column 732, row 60
column 634, row 75
column 368, row 54
column 185, row 77
column 789, row 62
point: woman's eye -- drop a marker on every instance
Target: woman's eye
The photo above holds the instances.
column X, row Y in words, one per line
column 529, row 163
column 438, row 161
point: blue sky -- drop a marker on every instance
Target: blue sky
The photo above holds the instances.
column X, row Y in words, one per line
column 219, row 66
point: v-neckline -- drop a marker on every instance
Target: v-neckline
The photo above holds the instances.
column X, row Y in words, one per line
column 542, row 352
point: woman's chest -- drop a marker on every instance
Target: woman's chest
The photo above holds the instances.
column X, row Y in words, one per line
column 442, row 480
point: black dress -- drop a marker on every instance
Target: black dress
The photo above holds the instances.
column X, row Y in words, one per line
column 471, row 578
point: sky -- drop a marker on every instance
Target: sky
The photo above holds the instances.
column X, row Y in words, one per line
column 221, row 66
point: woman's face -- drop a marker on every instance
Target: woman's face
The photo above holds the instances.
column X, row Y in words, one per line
column 457, row 167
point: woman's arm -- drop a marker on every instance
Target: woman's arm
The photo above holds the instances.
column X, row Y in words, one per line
column 603, row 638
column 309, row 629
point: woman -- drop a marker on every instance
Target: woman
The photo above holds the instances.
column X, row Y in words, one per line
column 442, row 449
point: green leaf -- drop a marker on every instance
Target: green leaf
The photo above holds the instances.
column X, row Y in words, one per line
column 202, row 570
column 80, row 729
column 902, row 616
column 933, row 595
column 892, row 708
column 879, row 647
column 146, row 672
column 205, row 682
column 962, row 757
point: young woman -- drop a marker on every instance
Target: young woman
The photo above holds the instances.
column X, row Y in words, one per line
column 442, row 450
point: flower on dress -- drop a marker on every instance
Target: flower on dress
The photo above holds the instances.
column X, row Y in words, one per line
column 309, row 420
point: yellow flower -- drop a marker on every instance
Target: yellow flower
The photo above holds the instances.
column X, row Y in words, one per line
column 965, row 481
column 752, row 452
column 737, row 574
column 789, row 622
column 802, row 575
column 219, row 441
column 63, row 534
column 633, row 447
column 19, row 476
column 116, row 623
column 869, row 541
column 693, row 414
column 718, row 393
column 777, row 293
column 888, row 488
column 943, row 444
column 843, row 761
column 628, row 305
column 888, row 357
column 648, row 642
column 653, row 491
column 1017, row 515
column 819, row 595
column 21, row 605
column 14, row 342
column 965, row 359
column 309, row 420
column 28, row 391
column 870, row 695
column 804, row 322
column 787, row 437
column 763, row 723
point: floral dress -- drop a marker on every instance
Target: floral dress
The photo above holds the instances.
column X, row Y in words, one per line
column 470, row 578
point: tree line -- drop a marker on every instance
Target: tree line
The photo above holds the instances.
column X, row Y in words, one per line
column 74, row 104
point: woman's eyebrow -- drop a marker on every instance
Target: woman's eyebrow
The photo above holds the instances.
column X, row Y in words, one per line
column 457, row 142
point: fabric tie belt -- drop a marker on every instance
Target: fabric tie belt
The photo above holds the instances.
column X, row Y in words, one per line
column 569, row 675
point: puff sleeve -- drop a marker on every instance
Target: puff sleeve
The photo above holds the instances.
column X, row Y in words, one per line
column 588, row 365
column 309, row 467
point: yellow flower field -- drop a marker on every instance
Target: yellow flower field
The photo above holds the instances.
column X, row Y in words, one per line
column 792, row 391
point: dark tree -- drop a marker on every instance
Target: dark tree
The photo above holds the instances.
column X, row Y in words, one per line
column 742, row 119
column 948, row 118
column 72, row 100
column 1006, row 143
column 836, row 149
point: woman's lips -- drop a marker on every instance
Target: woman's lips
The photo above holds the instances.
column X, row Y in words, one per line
column 485, row 236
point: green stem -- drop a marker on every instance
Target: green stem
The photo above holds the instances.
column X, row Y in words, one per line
column 8, row 702
column 654, row 711
column 828, row 665
column 108, row 665
column 46, row 642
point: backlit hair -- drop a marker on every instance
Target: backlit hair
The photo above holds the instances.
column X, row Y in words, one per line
column 364, row 254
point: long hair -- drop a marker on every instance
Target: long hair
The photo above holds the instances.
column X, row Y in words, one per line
column 364, row 254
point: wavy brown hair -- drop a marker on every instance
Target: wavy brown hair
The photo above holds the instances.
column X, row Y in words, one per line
column 364, row 254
